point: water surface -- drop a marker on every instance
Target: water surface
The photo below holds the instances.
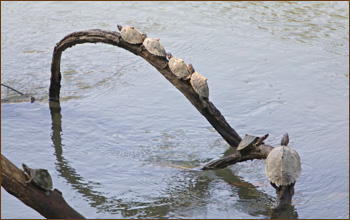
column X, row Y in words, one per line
column 125, row 138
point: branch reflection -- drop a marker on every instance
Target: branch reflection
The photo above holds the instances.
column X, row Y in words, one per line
column 188, row 193
column 63, row 167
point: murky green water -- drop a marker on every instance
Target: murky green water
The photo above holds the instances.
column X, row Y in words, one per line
column 125, row 137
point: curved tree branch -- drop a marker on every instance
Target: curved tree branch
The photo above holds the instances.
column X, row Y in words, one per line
column 207, row 109
column 52, row 206
column 259, row 152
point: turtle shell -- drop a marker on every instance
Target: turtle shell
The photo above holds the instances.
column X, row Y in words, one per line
column 199, row 84
column 283, row 165
column 42, row 178
column 154, row 47
column 131, row 35
column 247, row 141
column 178, row 67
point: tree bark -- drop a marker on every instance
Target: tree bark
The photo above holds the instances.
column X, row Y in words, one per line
column 53, row 206
column 207, row 109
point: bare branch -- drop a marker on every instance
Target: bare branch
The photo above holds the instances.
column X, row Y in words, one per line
column 260, row 152
column 12, row 89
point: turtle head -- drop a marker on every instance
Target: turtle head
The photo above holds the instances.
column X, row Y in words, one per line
column 119, row 27
column 169, row 55
column 264, row 137
column 190, row 67
column 261, row 140
column 143, row 36
column 26, row 168
column 285, row 139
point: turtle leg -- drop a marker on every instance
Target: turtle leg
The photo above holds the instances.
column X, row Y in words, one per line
column 141, row 48
column 119, row 37
column 203, row 101
column 187, row 77
column 291, row 190
column 274, row 186
column 26, row 182
column 47, row 192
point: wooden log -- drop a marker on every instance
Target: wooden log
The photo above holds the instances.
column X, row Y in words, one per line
column 207, row 109
column 259, row 152
column 51, row 206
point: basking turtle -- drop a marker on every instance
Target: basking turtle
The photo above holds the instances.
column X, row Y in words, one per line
column 178, row 67
column 198, row 82
column 283, row 165
column 40, row 177
column 153, row 46
column 130, row 34
column 251, row 141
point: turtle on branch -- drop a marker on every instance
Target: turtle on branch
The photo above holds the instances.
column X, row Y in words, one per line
column 41, row 177
column 130, row 34
column 199, row 84
column 250, row 141
column 178, row 67
column 283, row 168
column 153, row 46
column 52, row 206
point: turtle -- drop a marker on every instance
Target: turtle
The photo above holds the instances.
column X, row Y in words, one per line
column 40, row 177
column 283, row 165
column 130, row 34
column 178, row 67
column 153, row 46
column 198, row 82
column 250, row 141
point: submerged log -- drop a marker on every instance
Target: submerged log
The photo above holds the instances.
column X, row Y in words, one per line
column 51, row 206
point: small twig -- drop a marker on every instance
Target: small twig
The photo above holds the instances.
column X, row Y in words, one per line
column 32, row 99
column 12, row 89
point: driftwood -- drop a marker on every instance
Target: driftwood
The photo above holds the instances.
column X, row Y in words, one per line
column 259, row 152
column 52, row 206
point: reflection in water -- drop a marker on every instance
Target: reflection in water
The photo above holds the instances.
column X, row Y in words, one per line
column 251, row 200
column 284, row 212
column 185, row 193
column 63, row 166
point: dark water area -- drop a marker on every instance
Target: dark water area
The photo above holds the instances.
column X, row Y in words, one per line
column 125, row 141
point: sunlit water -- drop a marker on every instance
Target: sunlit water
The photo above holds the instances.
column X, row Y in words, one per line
column 128, row 138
